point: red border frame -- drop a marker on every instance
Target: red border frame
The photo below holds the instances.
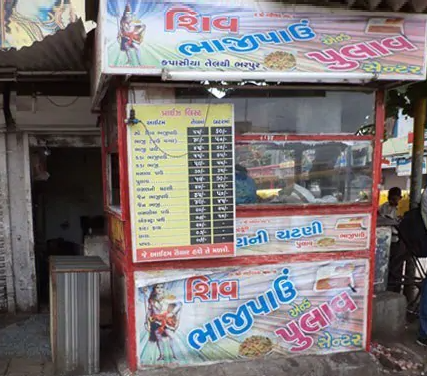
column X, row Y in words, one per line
column 125, row 262
column 122, row 100
column 379, row 134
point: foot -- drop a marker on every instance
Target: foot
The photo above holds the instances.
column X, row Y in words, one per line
column 422, row 341
column 161, row 357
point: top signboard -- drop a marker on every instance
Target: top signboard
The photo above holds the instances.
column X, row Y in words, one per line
column 145, row 38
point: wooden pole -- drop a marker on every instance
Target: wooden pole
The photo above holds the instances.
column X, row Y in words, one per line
column 416, row 179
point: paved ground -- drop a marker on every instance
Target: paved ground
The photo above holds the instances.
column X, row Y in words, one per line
column 403, row 356
column 25, row 351
column 25, row 348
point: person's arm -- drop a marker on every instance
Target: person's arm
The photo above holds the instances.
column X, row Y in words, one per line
column 386, row 211
column 147, row 317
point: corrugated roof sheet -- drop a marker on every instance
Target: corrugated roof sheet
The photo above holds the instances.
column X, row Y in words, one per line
column 410, row 6
column 73, row 264
column 62, row 51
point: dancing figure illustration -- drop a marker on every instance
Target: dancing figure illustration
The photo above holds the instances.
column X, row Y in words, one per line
column 131, row 35
column 162, row 321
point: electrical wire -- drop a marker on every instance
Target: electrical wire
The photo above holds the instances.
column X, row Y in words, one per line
column 147, row 132
column 63, row 105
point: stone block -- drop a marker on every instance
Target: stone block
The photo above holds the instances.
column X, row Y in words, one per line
column 24, row 367
column 389, row 315
column 3, row 366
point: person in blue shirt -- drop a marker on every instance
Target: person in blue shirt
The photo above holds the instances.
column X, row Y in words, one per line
column 245, row 187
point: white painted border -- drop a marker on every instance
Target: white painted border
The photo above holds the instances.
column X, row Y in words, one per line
column 149, row 278
column 29, row 209
column 366, row 302
column 270, row 7
column 4, row 196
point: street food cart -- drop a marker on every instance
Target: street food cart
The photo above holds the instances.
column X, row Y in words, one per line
column 241, row 198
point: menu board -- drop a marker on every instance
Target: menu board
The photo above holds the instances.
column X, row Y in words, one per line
column 181, row 161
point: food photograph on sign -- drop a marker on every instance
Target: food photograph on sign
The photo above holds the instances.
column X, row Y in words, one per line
column 253, row 37
column 200, row 316
column 301, row 234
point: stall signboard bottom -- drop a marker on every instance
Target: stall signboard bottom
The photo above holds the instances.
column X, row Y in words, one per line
column 302, row 234
column 181, row 160
column 190, row 317
column 144, row 37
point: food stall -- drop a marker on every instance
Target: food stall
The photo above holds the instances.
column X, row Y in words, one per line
column 240, row 197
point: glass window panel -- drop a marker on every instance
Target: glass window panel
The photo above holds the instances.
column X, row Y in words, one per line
column 292, row 173
column 294, row 112
column 110, row 120
column 114, row 180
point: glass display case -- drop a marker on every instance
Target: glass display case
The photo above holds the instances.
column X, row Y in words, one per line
column 280, row 157
column 304, row 172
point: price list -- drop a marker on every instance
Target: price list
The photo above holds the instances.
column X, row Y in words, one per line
column 182, row 182
column 222, row 184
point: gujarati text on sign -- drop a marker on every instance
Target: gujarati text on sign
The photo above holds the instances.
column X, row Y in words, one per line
column 182, row 182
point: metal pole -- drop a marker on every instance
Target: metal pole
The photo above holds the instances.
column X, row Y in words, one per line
column 416, row 178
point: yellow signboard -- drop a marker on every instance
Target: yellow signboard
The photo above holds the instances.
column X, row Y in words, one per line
column 181, row 161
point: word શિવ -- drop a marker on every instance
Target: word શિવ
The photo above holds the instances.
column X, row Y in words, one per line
column 349, row 57
column 185, row 18
column 203, row 289
column 296, row 332
column 241, row 320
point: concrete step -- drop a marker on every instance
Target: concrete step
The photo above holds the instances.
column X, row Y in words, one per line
column 347, row 364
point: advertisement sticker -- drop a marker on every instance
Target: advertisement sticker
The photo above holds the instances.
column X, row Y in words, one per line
column 301, row 234
column 146, row 37
column 192, row 317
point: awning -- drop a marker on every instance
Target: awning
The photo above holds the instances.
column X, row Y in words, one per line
column 396, row 146
column 62, row 52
